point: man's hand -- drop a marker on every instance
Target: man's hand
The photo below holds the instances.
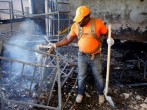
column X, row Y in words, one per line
column 51, row 47
column 110, row 41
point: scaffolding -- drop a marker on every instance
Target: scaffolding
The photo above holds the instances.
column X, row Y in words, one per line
column 38, row 81
column 29, row 84
column 59, row 21
column 37, row 77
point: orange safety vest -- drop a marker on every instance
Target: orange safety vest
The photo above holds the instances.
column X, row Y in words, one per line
column 89, row 42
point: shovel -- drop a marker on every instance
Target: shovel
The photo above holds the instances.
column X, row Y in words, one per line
column 108, row 98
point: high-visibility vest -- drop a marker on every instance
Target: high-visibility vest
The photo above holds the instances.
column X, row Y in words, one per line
column 89, row 42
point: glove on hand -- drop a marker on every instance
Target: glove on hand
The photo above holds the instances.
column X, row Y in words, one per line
column 51, row 47
column 110, row 41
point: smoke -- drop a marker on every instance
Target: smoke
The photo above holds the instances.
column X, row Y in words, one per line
column 24, row 38
column 27, row 39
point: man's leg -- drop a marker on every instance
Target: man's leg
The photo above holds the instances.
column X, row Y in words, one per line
column 96, row 67
column 83, row 68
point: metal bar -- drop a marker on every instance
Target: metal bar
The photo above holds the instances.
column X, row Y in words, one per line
column 53, row 27
column 1, row 94
column 47, row 20
column 63, row 58
column 58, row 25
column 64, row 12
column 63, row 3
column 21, row 73
column 138, row 84
column 22, row 7
column 37, row 65
column 33, row 15
column 62, row 71
column 11, row 67
column 33, row 77
column 59, row 84
column 42, row 70
column 1, row 46
column 17, row 11
column 52, row 87
column 24, row 33
column 10, row 7
column 5, row 1
column 30, row 49
column 71, row 70
column 29, row 103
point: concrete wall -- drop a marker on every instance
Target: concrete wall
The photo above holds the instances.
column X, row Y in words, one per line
column 128, row 17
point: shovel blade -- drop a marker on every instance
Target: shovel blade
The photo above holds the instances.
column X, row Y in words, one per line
column 109, row 99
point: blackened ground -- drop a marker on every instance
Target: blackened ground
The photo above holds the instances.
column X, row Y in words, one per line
column 127, row 67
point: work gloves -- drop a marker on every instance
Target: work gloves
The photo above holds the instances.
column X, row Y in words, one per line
column 49, row 47
column 110, row 41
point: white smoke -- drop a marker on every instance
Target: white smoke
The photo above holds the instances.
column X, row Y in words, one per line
column 24, row 38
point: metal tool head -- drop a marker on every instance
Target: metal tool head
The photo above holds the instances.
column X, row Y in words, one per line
column 110, row 101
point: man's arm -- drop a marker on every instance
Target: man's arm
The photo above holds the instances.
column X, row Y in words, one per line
column 105, row 35
column 65, row 41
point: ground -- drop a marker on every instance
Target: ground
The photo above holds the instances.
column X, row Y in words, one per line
column 127, row 86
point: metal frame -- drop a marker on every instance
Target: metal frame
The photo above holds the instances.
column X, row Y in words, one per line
column 10, row 11
column 55, row 75
column 63, row 66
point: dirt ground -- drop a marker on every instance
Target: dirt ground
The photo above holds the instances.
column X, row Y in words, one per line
column 127, row 86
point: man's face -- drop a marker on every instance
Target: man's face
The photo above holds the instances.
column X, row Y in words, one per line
column 84, row 21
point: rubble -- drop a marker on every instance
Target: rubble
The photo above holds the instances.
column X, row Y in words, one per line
column 126, row 95
column 143, row 105
column 125, row 70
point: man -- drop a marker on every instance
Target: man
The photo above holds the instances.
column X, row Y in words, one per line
column 88, row 31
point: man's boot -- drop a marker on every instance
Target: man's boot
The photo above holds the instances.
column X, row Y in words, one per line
column 101, row 99
column 79, row 98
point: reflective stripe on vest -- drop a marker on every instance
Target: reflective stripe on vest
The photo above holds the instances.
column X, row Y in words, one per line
column 92, row 27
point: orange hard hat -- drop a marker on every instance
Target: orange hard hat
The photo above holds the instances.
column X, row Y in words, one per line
column 81, row 12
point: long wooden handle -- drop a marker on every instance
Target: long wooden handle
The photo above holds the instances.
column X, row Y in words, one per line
column 108, row 60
